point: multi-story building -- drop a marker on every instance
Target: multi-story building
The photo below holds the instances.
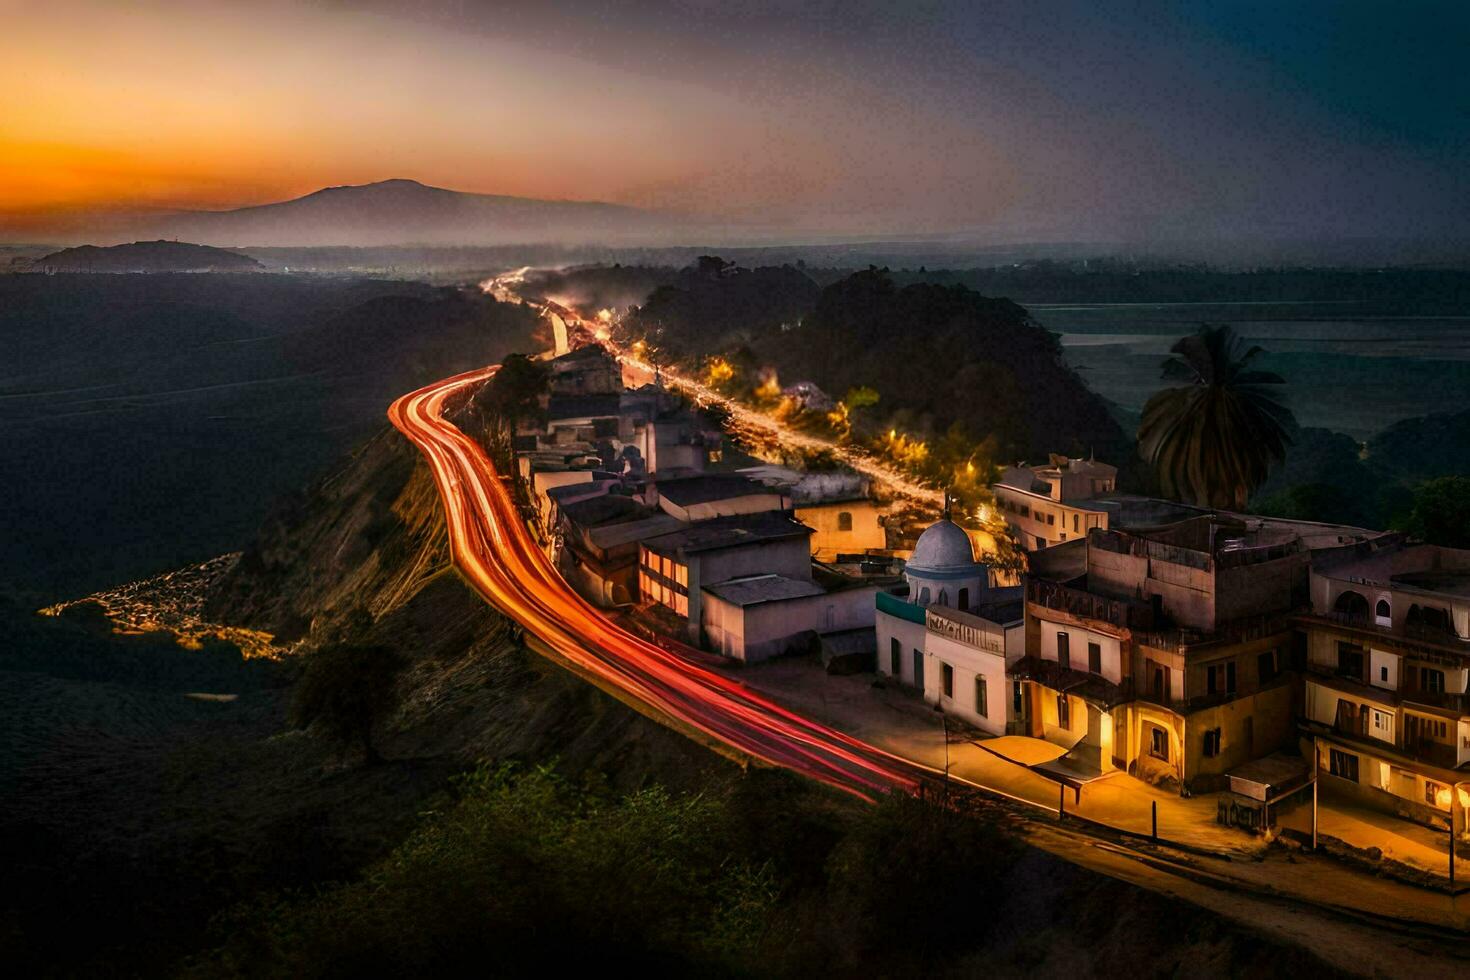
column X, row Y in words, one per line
column 1388, row 659
column 1168, row 654
column 1048, row 505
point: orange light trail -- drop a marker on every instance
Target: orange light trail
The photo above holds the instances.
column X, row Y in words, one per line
column 497, row 555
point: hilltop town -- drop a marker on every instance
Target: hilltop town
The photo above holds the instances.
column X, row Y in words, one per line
column 1249, row 678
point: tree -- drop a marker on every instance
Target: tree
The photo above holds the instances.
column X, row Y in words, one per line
column 1213, row 439
column 516, row 389
column 348, row 689
column 1441, row 512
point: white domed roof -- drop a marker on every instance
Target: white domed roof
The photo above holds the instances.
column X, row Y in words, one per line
column 943, row 547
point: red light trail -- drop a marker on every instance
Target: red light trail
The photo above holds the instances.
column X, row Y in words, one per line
column 497, row 555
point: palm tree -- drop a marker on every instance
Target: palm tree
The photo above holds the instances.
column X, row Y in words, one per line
column 1213, row 439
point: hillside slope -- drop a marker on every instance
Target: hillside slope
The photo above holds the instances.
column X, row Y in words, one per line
column 159, row 256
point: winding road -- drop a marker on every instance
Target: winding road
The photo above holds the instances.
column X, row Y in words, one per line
column 495, row 552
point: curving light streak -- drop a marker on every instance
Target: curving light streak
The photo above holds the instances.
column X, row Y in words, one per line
column 497, row 555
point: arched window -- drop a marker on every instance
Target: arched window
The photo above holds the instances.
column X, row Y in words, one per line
column 1352, row 604
column 1383, row 613
column 964, row 599
column 943, row 597
column 844, row 521
column 924, row 596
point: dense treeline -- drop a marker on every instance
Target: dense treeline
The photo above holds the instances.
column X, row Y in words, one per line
column 936, row 356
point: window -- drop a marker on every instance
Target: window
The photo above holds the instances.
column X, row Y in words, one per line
column 1383, row 673
column 982, row 698
column 1343, row 764
column 1266, row 666
column 919, row 669
column 924, row 596
column 1160, row 683
column 1076, row 524
column 895, row 657
column 1025, row 510
column 1431, row 792
column 844, row 521
column 1158, row 743
column 681, row 575
column 1051, row 518
column 1350, row 660
column 964, row 599
column 1221, row 678
column 1212, row 743
column 1094, row 657
column 1383, row 613
column 1382, row 725
column 1064, row 651
column 1431, row 680
column 1018, row 698
column 1064, row 712
column 946, row 674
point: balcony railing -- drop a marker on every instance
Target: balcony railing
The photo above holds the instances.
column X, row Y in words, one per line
column 1423, row 632
column 1123, row 613
column 1434, row 753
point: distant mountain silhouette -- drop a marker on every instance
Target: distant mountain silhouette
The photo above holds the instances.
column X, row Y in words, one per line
column 406, row 212
column 159, row 256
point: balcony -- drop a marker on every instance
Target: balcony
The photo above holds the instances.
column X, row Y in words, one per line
column 1131, row 614
column 1434, row 753
column 1435, row 635
column 1180, row 640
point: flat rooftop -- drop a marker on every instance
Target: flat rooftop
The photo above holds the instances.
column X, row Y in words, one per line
column 1392, row 563
column 729, row 532
column 620, row 532
column 583, row 406
column 687, row 491
column 752, row 590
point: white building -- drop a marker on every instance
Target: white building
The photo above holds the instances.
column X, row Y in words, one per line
column 953, row 634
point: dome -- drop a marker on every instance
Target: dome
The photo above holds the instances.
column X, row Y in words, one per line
column 943, row 547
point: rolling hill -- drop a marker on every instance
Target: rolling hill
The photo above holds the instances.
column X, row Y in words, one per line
column 160, row 256
column 406, row 212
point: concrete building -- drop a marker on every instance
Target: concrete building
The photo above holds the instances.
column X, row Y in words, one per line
column 601, row 537
column 837, row 506
column 1388, row 661
column 1047, row 505
column 947, row 632
column 676, row 443
column 588, row 370
column 756, row 617
column 710, row 495
column 674, row 567
column 1169, row 655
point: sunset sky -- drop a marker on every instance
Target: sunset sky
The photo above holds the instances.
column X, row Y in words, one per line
column 1033, row 118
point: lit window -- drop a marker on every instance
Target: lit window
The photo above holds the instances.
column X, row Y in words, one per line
column 682, row 574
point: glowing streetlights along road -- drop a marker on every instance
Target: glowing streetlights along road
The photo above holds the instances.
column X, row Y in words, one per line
column 495, row 552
